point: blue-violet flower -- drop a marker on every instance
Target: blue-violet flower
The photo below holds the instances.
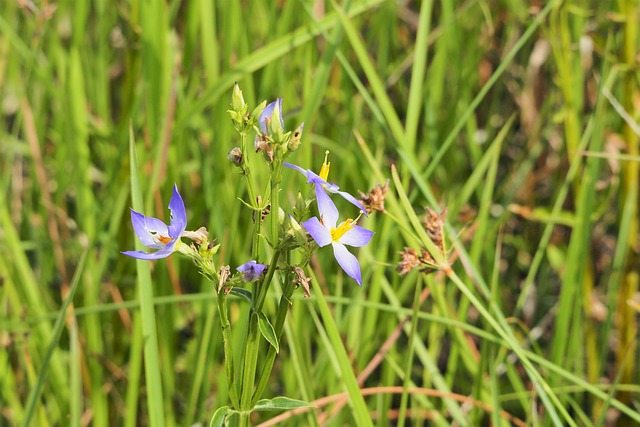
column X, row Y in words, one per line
column 320, row 182
column 155, row 234
column 267, row 115
column 324, row 231
column 252, row 270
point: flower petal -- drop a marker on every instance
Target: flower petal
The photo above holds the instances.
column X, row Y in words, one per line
column 266, row 113
column 347, row 261
column 279, row 102
column 178, row 214
column 319, row 232
column 326, row 207
column 295, row 167
column 349, row 198
column 148, row 255
column 147, row 227
column 357, row 236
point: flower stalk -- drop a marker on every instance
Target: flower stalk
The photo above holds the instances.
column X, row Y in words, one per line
column 286, row 233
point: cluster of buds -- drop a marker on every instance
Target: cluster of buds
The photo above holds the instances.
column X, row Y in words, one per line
column 410, row 259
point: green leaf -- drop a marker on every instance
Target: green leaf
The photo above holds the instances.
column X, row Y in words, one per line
column 281, row 403
column 219, row 419
column 242, row 293
column 267, row 331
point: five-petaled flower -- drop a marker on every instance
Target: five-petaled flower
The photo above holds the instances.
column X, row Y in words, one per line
column 320, row 182
column 155, row 234
column 251, row 270
column 324, row 231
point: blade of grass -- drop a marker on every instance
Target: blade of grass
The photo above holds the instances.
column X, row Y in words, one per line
column 361, row 413
column 155, row 401
column 43, row 370
column 261, row 57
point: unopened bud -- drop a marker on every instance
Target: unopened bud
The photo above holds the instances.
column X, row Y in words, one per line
column 294, row 143
column 235, row 156
column 237, row 100
column 253, row 117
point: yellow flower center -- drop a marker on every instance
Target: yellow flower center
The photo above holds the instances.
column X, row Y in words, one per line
column 324, row 170
column 337, row 233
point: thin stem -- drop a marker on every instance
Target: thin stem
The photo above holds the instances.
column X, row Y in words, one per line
column 259, row 294
column 253, row 337
column 266, row 282
column 283, row 310
column 228, row 351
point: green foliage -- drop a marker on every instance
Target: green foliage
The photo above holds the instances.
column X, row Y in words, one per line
column 521, row 122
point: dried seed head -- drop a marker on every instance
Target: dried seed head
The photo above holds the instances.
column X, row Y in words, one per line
column 223, row 276
column 433, row 223
column 374, row 201
column 409, row 260
column 301, row 279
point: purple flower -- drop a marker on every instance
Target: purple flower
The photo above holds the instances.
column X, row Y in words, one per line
column 324, row 231
column 320, row 182
column 155, row 234
column 267, row 114
column 252, row 270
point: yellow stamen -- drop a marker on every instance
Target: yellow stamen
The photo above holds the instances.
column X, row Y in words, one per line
column 324, row 170
column 337, row 233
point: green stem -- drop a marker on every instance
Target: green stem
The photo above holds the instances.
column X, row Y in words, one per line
column 259, row 295
column 250, row 362
column 253, row 337
column 246, row 168
column 283, row 310
column 245, row 420
column 228, row 351
column 276, row 177
column 266, row 282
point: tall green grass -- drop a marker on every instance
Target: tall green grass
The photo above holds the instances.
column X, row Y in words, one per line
column 521, row 122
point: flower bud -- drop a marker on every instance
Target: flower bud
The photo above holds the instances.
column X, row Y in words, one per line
column 294, row 143
column 253, row 117
column 235, row 156
column 237, row 100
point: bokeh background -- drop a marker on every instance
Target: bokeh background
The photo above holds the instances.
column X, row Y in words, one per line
column 518, row 120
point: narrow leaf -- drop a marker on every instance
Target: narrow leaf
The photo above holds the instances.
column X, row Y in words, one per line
column 281, row 403
column 267, row 331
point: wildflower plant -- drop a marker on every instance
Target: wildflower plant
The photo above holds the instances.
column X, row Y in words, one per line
column 284, row 229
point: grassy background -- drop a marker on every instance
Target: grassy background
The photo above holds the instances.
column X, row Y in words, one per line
column 520, row 119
